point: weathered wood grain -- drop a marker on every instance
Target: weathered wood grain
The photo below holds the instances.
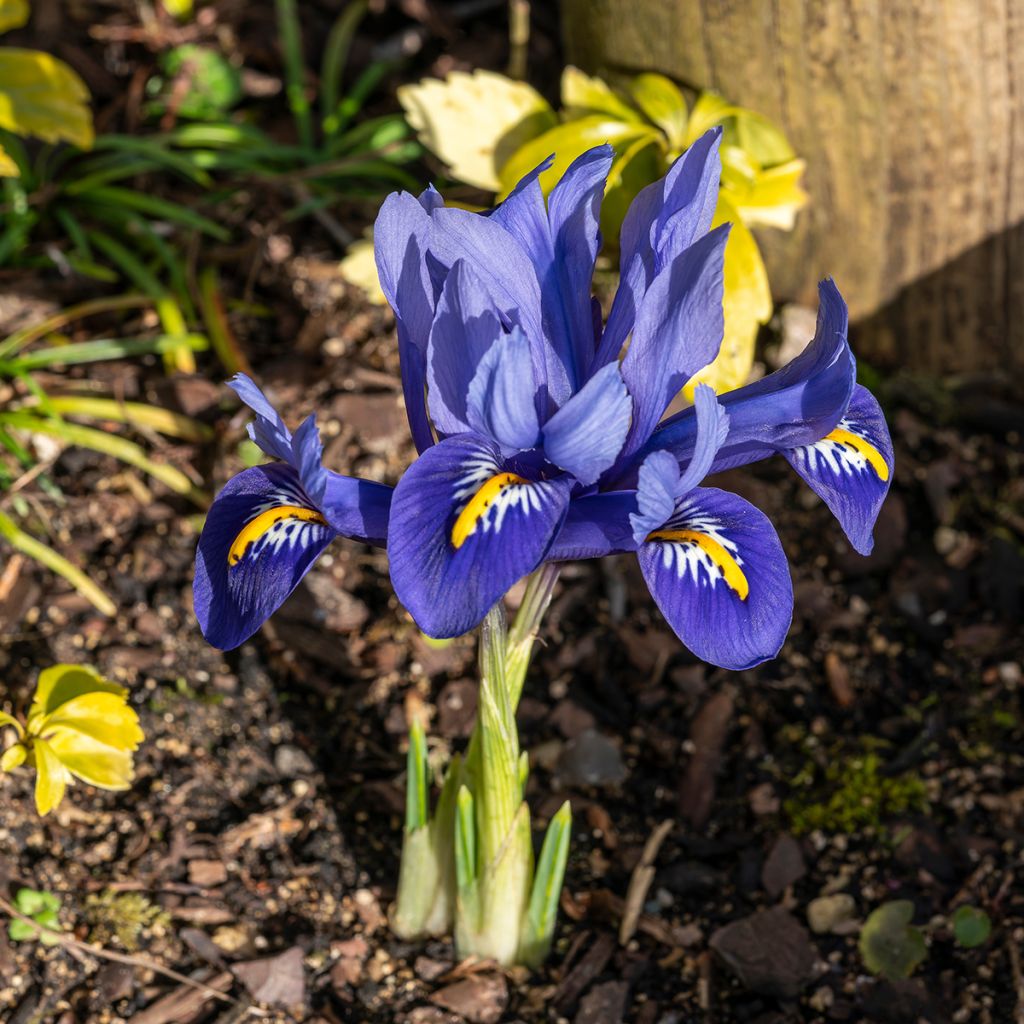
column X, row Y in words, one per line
column 911, row 118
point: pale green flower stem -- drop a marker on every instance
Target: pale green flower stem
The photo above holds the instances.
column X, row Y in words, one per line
column 471, row 865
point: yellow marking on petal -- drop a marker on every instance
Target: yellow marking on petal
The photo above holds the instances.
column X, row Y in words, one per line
column 727, row 565
column 256, row 528
column 864, row 447
column 478, row 505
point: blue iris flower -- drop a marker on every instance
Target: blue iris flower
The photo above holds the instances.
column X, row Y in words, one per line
column 539, row 440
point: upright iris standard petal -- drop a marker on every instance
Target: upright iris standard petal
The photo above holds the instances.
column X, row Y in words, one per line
column 466, row 325
column 665, row 218
column 503, row 267
column 796, row 405
column 678, row 331
column 574, row 211
column 260, row 538
column 587, row 433
column 851, row 468
column 718, row 573
column 463, row 529
column 498, row 404
column 401, row 239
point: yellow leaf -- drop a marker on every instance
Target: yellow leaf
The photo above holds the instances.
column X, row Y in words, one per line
column 13, row 757
column 762, row 138
column 52, row 777
column 582, row 93
column 10, row 720
column 709, row 110
column 359, row 267
column 566, row 142
column 180, row 9
column 660, row 99
column 103, row 717
column 40, row 95
column 747, row 303
column 61, row 683
column 95, row 763
column 8, row 168
column 773, row 198
column 475, row 122
column 13, row 14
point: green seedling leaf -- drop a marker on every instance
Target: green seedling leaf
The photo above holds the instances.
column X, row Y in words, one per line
column 890, row 945
column 213, row 85
column 971, row 927
column 465, row 840
column 542, row 912
column 417, row 809
column 44, row 908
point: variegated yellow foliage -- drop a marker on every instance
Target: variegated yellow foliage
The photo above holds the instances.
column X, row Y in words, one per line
column 648, row 124
column 79, row 726
column 41, row 96
column 13, row 14
column 475, row 122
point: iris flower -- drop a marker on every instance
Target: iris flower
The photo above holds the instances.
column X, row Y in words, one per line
column 540, row 441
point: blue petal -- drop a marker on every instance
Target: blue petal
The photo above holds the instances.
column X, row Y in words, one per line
column 678, row 331
column 794, row 406
column 665, row 218
column 357, row 509
column 851, row 468
column 243, row 577
column 718, row 573
column 587, row 433
column 268, row 431
column 656, row 494
column 302, row 451
column 574, row 211
column 712, row 430
column 463, row 530
column 465, row 327
column 401, row 236
column 596, row 525
column 501, row 264
column 500, row 402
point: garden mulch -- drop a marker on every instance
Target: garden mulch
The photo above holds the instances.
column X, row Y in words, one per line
column 879, row 757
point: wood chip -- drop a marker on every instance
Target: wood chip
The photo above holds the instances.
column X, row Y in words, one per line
column 276, row 980
column 185, row 1003
column 640, row 881
column 708, row 733
column 480, row 998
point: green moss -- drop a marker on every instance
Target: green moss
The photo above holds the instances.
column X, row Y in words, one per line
column 122, row 916
column 853, row 795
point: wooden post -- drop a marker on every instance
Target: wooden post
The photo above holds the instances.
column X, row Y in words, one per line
column 910, row 114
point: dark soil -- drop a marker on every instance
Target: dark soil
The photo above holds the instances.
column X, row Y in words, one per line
column 267, row 813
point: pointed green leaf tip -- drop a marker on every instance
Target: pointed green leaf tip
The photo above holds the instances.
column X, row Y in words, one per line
column 417, row 774
column 465, row 840
column 542, row 913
